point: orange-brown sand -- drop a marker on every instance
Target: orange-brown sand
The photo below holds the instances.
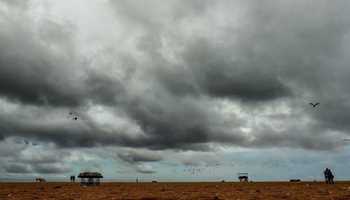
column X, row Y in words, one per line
column 196, row 191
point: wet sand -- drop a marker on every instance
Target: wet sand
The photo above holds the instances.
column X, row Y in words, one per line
column 195, row 191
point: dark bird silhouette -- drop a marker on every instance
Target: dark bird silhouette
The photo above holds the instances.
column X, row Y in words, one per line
column 73, row 116
column 314, row 104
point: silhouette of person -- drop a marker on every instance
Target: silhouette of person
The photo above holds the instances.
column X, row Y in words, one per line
column 326, row 173
column 329, row 176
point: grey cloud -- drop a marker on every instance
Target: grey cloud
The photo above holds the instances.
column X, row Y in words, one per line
column 139, row 156
column 172, row 86
column 200, row 159
column 10, row 148
column 147, row 15
column 17, row 168
column 220, row 77
column 30, row 72
column 41, row 67
column 333, row 113
column 175, row 123
column 50, row 168
column 44, row 158
column 21, row 158
column 145, row 169
column 16, row 3
column 139, row 159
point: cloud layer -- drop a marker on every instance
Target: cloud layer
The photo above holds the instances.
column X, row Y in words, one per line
column 194, row 75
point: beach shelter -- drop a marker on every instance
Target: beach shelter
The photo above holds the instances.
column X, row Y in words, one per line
column 90, row 178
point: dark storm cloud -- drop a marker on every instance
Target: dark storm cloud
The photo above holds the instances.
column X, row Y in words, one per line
column 21, row 158
column 209, row 73
column 63, row 136
column 10, row 148
column 139, row 156
column 294, row 137
column 209, row 67
column 30, row 73
column 40, row 67
column 222, row 78
column 277, row 52
column 278, row 56
column 17, row 169
column 44, row 158
column 87, row 137
column 50, row 169
column 172, row 122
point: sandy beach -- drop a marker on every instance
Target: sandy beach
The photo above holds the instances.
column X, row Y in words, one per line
column 158, row 191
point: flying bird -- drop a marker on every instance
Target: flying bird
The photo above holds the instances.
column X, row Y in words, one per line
column 73, row 116
column 314, row 104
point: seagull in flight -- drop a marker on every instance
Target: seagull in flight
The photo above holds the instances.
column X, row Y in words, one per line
column 73, row 116
column 314, row 104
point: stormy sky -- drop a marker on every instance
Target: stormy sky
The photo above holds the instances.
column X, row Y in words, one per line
column 175, row 89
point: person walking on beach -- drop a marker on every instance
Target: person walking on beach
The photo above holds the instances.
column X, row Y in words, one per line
column 325, row 172
column 328, row 176
column 72, row 179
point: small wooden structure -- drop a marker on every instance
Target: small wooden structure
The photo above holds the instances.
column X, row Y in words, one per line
column 90, row 178
column 243, row 177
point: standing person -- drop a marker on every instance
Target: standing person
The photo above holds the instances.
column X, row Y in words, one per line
column 326, row 175
column 331, row 177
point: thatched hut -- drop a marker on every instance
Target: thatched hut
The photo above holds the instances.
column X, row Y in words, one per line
column 90, row 178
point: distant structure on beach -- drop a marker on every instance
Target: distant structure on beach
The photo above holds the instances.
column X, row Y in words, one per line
column 243, row 177
column 90, row 178
column 294, row 180
column 40, row 180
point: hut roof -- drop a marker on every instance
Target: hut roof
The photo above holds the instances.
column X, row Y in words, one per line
column 90, row 175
